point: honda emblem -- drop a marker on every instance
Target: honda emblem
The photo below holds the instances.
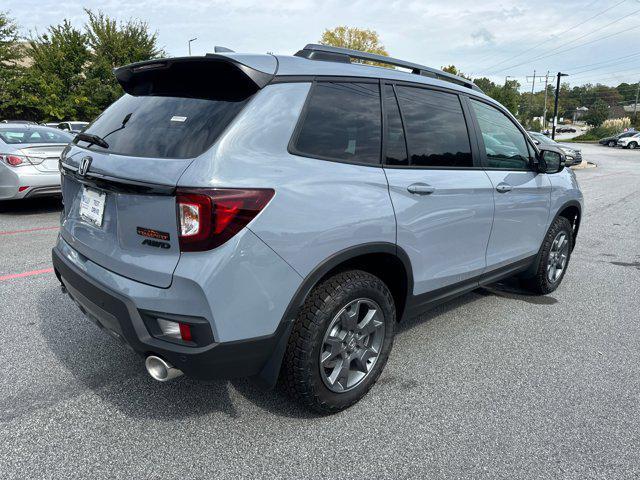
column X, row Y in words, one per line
column 83, row 168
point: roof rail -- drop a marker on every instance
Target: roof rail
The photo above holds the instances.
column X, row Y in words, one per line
column 315, row 51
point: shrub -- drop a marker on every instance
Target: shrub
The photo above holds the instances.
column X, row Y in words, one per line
column 616, row 124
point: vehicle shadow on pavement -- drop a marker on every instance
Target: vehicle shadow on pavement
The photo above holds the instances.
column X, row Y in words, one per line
column 31, row 206
column 512, row 289
column 103, row 366
column 508, row 288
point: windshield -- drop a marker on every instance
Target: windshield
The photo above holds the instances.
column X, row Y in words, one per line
column 162, row 127
column 78, row 125
column 542, row 138
column 21, row 135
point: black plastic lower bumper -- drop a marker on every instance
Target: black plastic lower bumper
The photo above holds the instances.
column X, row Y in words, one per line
column 109, row 310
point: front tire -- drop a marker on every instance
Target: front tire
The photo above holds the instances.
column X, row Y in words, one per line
column 340, row 342
column 633, row 146
column 554, row 259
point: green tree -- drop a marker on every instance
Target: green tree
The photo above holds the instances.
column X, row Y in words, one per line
column 598, row 113
column 364, row 40
column 506, row 94
column 51, row 87
column 9, row 51
column 453, row 69
column 356, row 39
column 9, row 55
column 111, row 45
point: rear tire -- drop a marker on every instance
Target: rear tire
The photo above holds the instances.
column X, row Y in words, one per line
column 554, row 259
column 340, row 342
column 612, row 143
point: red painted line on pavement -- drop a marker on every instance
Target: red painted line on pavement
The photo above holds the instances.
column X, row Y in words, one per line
column 14, row 232
column 26, row 274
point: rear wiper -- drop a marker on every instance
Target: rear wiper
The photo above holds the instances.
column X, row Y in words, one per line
column 92, row 139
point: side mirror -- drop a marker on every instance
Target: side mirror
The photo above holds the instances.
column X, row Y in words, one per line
column 550, row 161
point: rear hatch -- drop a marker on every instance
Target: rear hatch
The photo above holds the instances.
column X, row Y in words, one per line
column 119, row 191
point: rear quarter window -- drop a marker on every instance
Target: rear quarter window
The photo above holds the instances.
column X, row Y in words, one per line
column 163, row 126
column 342, row 122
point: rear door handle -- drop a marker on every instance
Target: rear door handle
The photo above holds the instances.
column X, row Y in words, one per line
column 421, row 189
column 503, row 187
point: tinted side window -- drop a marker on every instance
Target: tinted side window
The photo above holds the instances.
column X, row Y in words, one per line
column 436, row 131
column 395, row 143
column 342, row 122
column 504, row 143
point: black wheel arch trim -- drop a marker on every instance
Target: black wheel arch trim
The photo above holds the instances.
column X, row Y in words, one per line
column 570, row 203
column 269, row 374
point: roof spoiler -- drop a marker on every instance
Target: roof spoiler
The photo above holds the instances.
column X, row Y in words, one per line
column 314, row 51
column 212, row 77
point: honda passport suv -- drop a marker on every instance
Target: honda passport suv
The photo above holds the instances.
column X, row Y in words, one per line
column 276, row 216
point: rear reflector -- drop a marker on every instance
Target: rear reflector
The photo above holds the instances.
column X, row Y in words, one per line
column 22, row 189
column 175, row 330
column 210, row 217
column 185, row 332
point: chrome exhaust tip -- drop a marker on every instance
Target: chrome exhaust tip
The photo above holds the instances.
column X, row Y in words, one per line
column 160, row 370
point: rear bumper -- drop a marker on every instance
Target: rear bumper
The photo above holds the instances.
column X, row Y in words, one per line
column 119, row 316
column 38, row 183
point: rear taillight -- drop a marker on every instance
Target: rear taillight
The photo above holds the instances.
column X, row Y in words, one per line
column 209, row 217
column 13, row 160
column 19, row 160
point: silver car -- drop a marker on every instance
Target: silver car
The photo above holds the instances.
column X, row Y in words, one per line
column 29, row 156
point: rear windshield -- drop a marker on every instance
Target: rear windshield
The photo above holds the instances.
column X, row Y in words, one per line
column 162, row 127
column 20, row 135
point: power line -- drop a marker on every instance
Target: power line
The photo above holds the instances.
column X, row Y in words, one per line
column 568, row 49
column 558, row 35
column 606, row 74
column 606, row 61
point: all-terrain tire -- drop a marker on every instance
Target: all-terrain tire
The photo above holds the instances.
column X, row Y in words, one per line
column 541, row 283
column 300, row 374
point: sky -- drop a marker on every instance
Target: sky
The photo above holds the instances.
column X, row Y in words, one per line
column 594, row 41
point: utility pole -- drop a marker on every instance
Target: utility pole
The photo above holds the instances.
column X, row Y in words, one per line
column 544, row 112
column 533, row 84
column 635, row 105
column 192, row 40
column 555, row 107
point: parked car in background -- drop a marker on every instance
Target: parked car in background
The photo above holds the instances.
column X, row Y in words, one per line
column 630, row 141
column 72, row 127
column 565, row 130
column 612, row 141
column 29, row 156
column 24, row 122
column 574, row 155
column 255, row 223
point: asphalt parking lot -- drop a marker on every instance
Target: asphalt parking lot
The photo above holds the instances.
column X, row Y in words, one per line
column 496, row 384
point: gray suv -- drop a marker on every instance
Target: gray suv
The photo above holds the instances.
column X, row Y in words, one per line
column 275, row 216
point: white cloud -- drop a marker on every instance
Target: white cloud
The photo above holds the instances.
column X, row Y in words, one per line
column 468, row 33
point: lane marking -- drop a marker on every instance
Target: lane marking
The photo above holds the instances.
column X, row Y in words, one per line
column 28, row 230
column 25, row 274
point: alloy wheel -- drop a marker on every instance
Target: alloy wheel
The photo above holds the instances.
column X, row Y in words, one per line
column 558, row 256
column 351, row 345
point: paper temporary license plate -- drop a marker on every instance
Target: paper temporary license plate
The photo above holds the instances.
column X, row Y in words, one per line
column 92, row 205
